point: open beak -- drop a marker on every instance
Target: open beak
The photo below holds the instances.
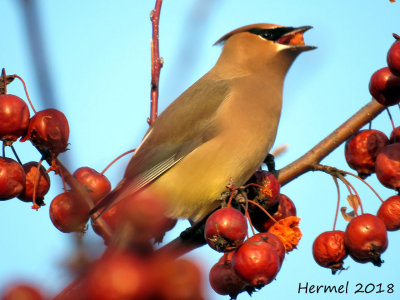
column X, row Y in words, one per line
column 295, row 39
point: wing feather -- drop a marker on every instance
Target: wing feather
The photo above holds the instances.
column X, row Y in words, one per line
column 185, row 125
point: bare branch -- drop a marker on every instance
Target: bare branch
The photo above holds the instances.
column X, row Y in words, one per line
column 330, row 143
column 156, row 62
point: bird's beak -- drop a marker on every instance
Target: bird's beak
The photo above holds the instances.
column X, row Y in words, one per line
column 295, row 39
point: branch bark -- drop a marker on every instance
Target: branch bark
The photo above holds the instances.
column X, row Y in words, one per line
column 156, row 62
column 330, row 143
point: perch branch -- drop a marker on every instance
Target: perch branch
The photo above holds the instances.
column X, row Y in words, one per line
column 156, row 62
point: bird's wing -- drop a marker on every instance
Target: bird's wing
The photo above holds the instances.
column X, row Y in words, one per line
column 185, row 125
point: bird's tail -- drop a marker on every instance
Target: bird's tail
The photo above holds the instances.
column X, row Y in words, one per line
column 108, row 201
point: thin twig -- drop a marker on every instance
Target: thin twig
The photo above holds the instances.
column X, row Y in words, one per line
column 15, row 154
column 372, row 189
column 120, row 156
column 156, row 62
column 338, row 201
column 4, row 76
column 26, row 91
column 390, row 117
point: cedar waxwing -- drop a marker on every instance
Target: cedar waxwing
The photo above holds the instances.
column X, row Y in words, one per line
column 219, row 129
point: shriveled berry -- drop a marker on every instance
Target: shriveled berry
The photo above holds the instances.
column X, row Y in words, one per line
column 42, row 182
column 329, row 250
column 48, row 130
column 12, row 178
column 225, row 229
column 385, row 87
column 389, row 213
column 362, row 148
column 387, row 166
column 14, row 116
column 366, row 238
column 264, row 188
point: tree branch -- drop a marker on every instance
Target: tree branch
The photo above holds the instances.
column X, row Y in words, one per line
column 330, row 143
column 156, row 62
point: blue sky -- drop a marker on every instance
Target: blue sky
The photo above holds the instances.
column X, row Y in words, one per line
column 99, row 58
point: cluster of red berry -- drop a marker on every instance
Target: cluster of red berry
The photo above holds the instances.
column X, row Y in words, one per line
column 48, row 130
column 133, row 269
column 370, row 151
column 254, row 262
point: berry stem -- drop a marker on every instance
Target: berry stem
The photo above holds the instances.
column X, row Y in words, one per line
column 263, row 209
column 156, row 62
column 26, row 92
column 15, row 154
column 35, row 186
column 233, row 194
column 120, row 156
column 3, row 75
column 248, row 218
column 338, row 201
column 390, row 117
column 351, row 188
column 375, row 192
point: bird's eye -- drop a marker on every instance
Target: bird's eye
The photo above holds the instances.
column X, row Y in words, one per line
column 267, row 35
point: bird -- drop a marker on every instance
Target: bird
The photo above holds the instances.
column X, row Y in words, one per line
column 220, row 129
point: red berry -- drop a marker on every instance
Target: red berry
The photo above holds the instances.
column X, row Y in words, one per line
column 366, row 238
column 256, row 262
column 68, row 214
column 12, row 178
column 14, row 116
column 387, row 166
column 266, row 193
column 385, row 87
column 329, row 250
column 225, row 229
column 177, row 279
column 96, row 184
column 110, row 216
column 224, row 280
column 389, row 213
column 362, row 148
column 145, row 213
column 21, row 292
column 118, row 276
column 42, row 185
column 262, row 222
column 272, row 240
column 49, row 130
column 395, row 135
column 393, row 56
